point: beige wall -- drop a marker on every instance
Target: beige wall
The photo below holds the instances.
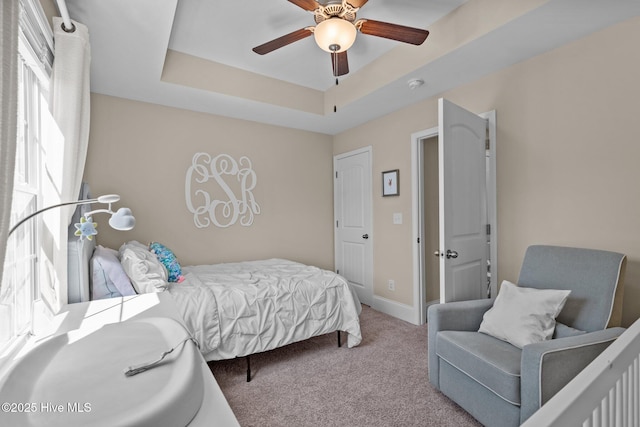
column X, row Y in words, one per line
column 567, row 158
column 142, row 152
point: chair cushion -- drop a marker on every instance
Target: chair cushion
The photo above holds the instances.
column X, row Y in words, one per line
column 563, row 331
column 593, row 276
column 492, row 362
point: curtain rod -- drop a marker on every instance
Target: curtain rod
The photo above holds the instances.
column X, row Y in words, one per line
column 67, row 25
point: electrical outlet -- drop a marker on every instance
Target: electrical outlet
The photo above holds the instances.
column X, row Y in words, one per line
column 392, row 285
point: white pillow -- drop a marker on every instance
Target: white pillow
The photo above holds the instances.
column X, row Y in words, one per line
column 147, row 274
column 523, row 316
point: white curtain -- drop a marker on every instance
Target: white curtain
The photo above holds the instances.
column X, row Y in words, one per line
column 69, row 104
column 70, row 98
column 8, row 115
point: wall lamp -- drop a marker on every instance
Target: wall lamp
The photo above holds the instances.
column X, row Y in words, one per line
column 122, row 219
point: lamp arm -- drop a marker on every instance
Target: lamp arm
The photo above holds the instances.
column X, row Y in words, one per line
column 38, row 212
column 88, row 214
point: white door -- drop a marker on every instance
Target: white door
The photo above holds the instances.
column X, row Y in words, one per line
column 352, row 204
column 463, row 205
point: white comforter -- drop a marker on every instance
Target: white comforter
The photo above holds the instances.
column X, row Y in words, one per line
column 237, row 309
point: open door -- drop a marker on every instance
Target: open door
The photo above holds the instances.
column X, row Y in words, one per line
column 463, row 204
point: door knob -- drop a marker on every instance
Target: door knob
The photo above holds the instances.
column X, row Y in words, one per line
column 365, row 236
column 437, row 254
column 451, row 254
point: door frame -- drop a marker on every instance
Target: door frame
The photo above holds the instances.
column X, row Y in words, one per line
column 417, row 193
column 368, row 274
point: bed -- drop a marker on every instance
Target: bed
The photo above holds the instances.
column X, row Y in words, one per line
column 232, row 309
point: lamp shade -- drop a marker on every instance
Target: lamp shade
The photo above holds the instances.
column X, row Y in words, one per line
column 335, row 35
column 122, row 220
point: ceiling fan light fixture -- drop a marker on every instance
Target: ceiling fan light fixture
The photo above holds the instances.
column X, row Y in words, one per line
column 335, row 35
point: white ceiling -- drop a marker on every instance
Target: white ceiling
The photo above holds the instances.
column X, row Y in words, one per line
column 227, row 31
column 130, row 38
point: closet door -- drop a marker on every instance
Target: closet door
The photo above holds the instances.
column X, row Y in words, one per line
column 353, row 221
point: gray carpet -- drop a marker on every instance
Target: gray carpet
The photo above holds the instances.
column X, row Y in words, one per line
column 382, row 382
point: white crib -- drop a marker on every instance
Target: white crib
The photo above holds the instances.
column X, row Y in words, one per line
column 605, row 394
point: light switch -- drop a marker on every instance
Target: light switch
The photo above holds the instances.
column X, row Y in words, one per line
column 397, row 218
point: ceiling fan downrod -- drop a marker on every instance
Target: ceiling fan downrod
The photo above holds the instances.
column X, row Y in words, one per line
column 334, row 51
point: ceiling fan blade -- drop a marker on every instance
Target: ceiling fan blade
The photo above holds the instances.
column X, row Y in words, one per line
column 357, row 3
column 309, row 5
column 339, row 63
column 282, row 41
column 396, row 32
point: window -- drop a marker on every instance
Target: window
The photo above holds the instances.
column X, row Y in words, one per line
column 20, row 279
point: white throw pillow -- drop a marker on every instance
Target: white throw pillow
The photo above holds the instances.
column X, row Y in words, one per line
column 523, row 316
column 147, row 274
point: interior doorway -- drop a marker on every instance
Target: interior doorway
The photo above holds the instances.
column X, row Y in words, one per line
column 431, row 225
column 427, row 224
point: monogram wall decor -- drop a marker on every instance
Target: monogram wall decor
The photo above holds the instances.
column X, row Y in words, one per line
column 219, row 190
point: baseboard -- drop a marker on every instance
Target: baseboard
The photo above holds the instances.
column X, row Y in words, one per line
column 393, row 308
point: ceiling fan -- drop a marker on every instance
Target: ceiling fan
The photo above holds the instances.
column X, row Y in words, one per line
column 336, row 29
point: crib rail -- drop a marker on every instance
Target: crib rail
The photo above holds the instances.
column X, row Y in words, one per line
column 605, row 394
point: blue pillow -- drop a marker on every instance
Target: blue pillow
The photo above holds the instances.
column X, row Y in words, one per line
column 169, row 260
column 101, row 286
column 108, row 279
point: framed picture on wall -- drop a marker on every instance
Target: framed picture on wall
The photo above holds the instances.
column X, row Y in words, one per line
column 390, row 183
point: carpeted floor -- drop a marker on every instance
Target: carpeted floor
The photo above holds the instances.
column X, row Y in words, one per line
column 382, row 382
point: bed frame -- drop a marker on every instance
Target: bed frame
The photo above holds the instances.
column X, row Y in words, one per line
column 247, row 358
column 79, row 253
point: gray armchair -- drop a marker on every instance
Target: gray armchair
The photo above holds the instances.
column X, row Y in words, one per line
column 502, row 385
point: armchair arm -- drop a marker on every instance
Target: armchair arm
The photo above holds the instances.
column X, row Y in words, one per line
column 458, row 316
column 451, row 316
column 548, row 366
